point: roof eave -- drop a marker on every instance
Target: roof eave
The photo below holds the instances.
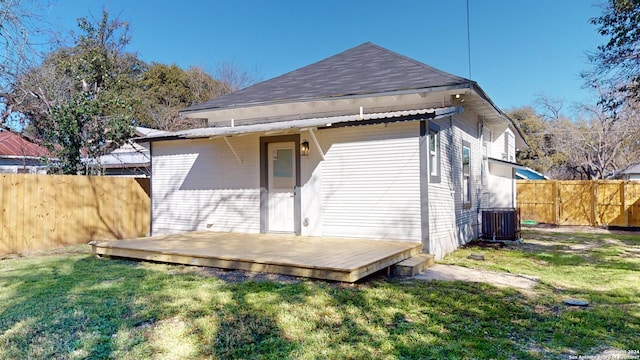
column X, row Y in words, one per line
column 354, row 119
column 457, row 86
column 521, row 143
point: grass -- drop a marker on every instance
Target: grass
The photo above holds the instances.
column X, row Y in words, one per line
column 67, row 304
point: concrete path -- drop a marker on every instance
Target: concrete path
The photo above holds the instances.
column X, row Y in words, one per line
column 453, row 273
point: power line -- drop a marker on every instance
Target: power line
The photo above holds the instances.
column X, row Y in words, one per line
column 468, row 41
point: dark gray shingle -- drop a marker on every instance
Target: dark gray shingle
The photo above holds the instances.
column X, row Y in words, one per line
column 364, row 69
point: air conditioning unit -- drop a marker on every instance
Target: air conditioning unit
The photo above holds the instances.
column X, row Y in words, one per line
column 501, row 224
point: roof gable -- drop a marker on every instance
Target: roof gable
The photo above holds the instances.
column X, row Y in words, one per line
column 364, row 69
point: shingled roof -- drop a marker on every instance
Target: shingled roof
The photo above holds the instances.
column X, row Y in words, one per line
column 364, row 69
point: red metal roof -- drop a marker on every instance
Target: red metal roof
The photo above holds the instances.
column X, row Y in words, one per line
column 12, row 144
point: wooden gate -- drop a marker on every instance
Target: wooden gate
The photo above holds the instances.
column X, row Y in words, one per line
column 575, row 203
column 583, row 202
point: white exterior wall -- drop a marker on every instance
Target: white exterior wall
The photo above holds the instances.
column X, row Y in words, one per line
column 498, row 146
column 450, row 224
column 441, row 202
column 200, row 185
column 368, row 186
column 466, row 128
column 501, row 187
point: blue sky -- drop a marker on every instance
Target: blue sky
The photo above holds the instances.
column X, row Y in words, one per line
column 519, row 48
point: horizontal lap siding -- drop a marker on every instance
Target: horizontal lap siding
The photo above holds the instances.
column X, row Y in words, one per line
column 200, row 185
column 466, row 129
column 371, row 182
column 450, row 225
column 442, row 198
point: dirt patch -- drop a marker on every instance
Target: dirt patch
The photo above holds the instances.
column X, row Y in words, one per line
column 459, row 273
column 579, row 229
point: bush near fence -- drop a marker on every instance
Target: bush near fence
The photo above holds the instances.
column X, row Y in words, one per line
column 580, row 202
column 48, row 211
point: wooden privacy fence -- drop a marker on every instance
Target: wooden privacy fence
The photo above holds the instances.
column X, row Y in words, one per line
column 580, row 202
column 48, row 211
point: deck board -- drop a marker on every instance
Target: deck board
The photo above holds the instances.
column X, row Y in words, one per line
column 318, row 257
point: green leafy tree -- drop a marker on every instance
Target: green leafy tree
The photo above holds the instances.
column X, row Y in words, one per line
column 167, row 89
column 81, row 99
column 541, row 155
column 617, row 62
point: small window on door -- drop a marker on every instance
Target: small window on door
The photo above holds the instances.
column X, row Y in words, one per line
column 466, row 175
column 283, row 169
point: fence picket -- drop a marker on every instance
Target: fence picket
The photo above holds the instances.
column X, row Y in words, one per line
column 47, row 211
column 580, row 202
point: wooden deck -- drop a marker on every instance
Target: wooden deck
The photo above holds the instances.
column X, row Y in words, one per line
column 337, row 259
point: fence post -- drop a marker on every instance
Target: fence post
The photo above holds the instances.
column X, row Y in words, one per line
column 594, row 204
column 556, row 199
column 623, row 193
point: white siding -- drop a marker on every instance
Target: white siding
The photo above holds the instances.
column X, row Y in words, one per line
column 503, row 147
column 451, row 225
column 466, row 128
column 501, row 187
column 442, row 222
column 371, row 182
column 200, row 185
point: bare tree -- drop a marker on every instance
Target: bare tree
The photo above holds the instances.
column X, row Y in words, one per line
column 20, row 24
column 236, row 79
column 599, row 143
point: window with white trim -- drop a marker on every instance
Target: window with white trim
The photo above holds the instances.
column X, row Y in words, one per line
column 466, row 175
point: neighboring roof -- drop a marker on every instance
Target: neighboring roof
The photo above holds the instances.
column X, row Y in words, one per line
column 358, row 119
column 125, row 159
column 529, row 174
column 131, row 154
column 364, row 69
column 12, row 144
column 145, row 131
column 632, row 169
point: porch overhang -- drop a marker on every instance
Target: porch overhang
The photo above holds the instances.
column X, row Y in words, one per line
column 301, row 124
column 506, row 163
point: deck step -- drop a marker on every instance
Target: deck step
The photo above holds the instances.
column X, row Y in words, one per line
column 414, row 265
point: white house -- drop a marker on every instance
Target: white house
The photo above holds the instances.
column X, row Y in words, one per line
column 131, row 159
column 632, row 172
column 364, row 144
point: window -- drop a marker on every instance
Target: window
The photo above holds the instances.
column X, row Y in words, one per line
column 434, row 153
column 466, row 175
column 508, row 143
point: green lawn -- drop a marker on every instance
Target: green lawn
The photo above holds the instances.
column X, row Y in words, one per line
column 67, row 304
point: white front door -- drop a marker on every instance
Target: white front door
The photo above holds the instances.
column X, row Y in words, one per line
column 281, row 185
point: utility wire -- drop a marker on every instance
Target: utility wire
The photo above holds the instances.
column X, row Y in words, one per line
column 468, row 40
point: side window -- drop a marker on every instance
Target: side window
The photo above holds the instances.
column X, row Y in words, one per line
column 434, row 153
column 466, row 175
column 508, row 142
